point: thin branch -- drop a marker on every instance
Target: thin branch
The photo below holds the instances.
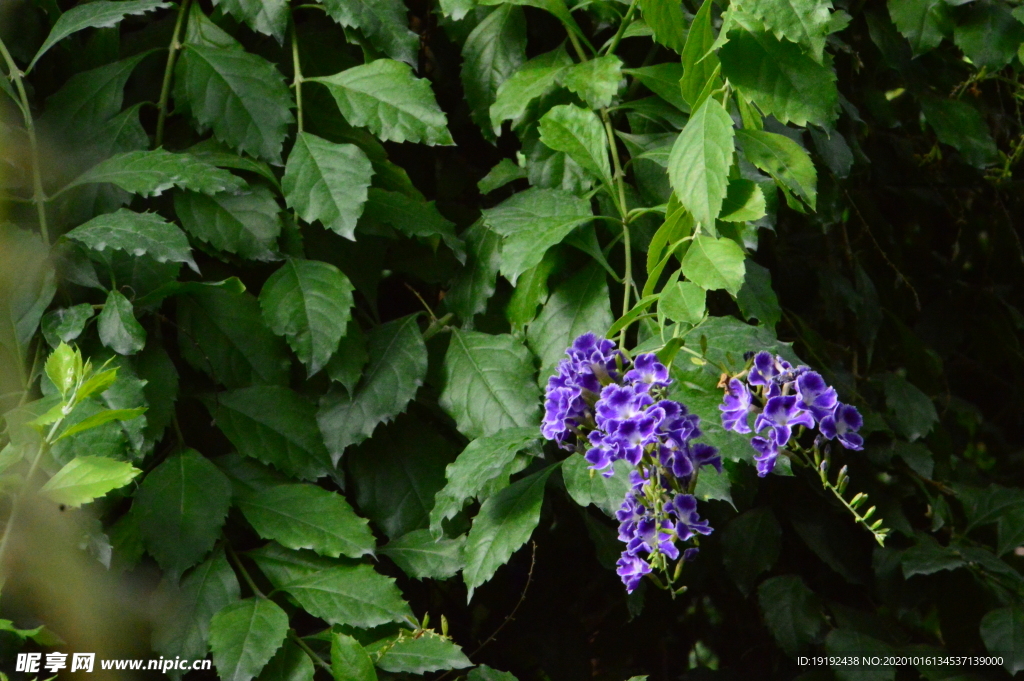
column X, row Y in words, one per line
column 165, row 88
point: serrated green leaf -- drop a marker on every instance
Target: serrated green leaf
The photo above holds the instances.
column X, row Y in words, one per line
column 327, row 182
column 137, row 234
column 530, row 81
column 349, row 660
column 782, row 158
column 485, row 673
column 89, row 99
column 274, row 425
column 269, row 17
column 483, row 460
column 86, row 478
column 989, row 35
column 488, row 383
column 492, row 52
column 309, row 302
column 913, row 412
column 531, row 290
column 665, row 19
column 427, row 653
column 349, row 594
column 751, row 544
column 289, row 663
column 700, row 159
column 501, row 174
column 413, row 218
column 99, row 14
column 714, row 485
column 384, row 22
column 715, row 264
column 1002, row 631
column 961, row 126
column 923, row 22
column 65, row 324
column 506, row 520
column 346, row 367
column 698, row 65
column 474, row 284
column 244, row 636
column 531, row 222
column 596, row 80
column 804, row 22
column 117, row 326
column 398, row 364
column 385, row 97
column 683, row 302
column 587, row 486
column 308, row 517
column 577, row 306
column 792, row 612
column 663, row 80
column 182, row 504
column 780, row 78
column 744, row 202
column 579, row 133
column 247, row 224
column 422, row 557
column 756, row 297
column 150, row 173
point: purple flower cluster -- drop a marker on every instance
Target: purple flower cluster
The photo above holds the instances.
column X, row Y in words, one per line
column 792, row 396
column 612, row 409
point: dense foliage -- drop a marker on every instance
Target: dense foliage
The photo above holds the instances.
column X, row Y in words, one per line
column 282, row 287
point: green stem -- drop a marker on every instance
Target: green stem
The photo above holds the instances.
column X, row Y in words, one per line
column 38, row 196
column 620, row 201
column 297, row 80
column 241, row 568
column 165, row 88
column 623, row 25
column 576, row 45
column 309, row 651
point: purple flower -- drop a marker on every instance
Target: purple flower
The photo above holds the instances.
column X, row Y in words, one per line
column 843, row 424
column 766, row 453
column 690, row 554
column 653, row 535
column 704, row 454
column 632, row 569
column 647, row 373
column 688, row 523
column 591, row 363
column 736, row 406
column 781, row 414
column 763, row 370
column 815, row 395
column 620, row 403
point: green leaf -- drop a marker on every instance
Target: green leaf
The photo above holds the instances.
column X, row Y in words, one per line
column 99, row 14
column 580, row 134
column 427, row 653
column 804, row 22
column 246, row 224
column 422, row 557
column 89, row 99
column 530, row 81
column 780, row 78
column 474, row 284
column 714, row 486
column 913, row 412
column 150, row 173
column 384, row 22
column 308, row 517
column 792, row 612
column 506, row 520
column 699, row 66
column 269, row 17
column 327, row 182
column 664, row 81
column 274, row 425
column 485, row 673
column 844, row 643
column 184, row 629
column 577, row 306
column 213, row 152
column 989, row 35
column 756, row 298
column 117, row 326
column 483, row 460
column 501, row 174
column 100, row 418
column 665, row 17
column 683, row 302
column 715, row 264
column 244, row 636
column 385, row 97
column 64, row 367
column 928, row 557
column 348, row 594
column 782, row 158
column 241, row 96
column 488, row 383
column 587, row 486
column 137, row 234
column 182, row 505
column 923, row 22
column 1002, row 631
column 596, row 80
column 221, row 332
column 289, row 663
column 533, row 221
column 414, row 218
column 492, row 53
column 962, row 127
column 744, row 202
column 531, row 290
column 700, row 159
column 346, row 367
column 349, row 660
column 65, row 324
column 751, row 544
column 398, row 364
column 309, row 302
column 1010, row 531
column 87, row 478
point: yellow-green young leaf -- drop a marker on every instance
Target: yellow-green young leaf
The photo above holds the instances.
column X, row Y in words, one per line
column 492, row 53
column 98, row 419
column 269, row 17
column 327, row 182
column 309, row 302
column 86, row 478
column 699, row 163
column 150, row 173
column 349, row 660
column 247, row 224
column 506, row 520
column 804, row 22
column 577, row 306
column 488, row 383
column 65, row 324
column 684, row 302
column 101, row 14
column 665, row 18
column 782, row 158
column 923, row 22
column 308, row 517
column 63, row 367
column 245, row 635
column 422, row 557
column 531, row 80
column 579, row 133
column 698, row 66
column 714, row 264
column 136, row 234
column 384, row 22
column 97, row 383
column 663, row 80
column 427, row 653
column 595, row 80
column 117, row 326
column 744, row 201
column 387, row 98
